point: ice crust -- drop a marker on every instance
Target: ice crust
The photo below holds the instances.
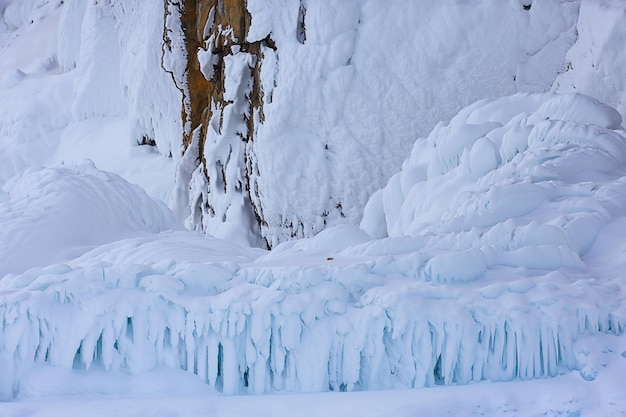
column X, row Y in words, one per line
column 498, row 259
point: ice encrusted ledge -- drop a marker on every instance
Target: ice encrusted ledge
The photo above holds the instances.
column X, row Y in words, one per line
column 495, row 248
column 354, row 326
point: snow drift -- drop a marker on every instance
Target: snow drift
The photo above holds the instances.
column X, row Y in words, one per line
column 54, row 214
column 501, row 252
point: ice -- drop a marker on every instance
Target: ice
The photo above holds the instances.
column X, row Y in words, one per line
column 493, row 254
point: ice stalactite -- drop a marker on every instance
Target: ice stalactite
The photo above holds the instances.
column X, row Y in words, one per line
column 243, row 337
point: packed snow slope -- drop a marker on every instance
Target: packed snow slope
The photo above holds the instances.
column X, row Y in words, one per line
column 505, row 230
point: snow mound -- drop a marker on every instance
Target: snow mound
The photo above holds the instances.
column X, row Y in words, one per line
column 53, row 214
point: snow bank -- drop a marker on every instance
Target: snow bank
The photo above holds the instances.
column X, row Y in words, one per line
column 527, row 166
column 596, row 60
column 50, row 215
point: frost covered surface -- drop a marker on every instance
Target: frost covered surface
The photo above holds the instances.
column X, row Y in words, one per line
column 352, row 84
column 496, row 281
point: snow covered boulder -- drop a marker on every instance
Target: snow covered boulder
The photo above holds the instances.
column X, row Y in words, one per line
column 54, row 214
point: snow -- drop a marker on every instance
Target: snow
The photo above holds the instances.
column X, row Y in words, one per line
column 495, row 255
column 347, row 102
column 597, row 54
column 53, row 214
column 476, row 286
column 73, row 98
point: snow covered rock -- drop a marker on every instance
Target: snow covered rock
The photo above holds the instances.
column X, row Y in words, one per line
column 313, row 105
column 518, row 162
column 123, row 66
column 596, row 61
column 54, row 214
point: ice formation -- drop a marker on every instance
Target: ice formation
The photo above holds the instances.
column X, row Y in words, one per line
column 501, row 253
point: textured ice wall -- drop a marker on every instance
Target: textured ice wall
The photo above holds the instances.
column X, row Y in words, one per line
column 354, row 322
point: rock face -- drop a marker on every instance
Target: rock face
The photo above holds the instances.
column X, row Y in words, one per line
column 295, row 112
column 225, row 98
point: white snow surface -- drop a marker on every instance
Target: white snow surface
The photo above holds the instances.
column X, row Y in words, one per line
column 94, row 91
column 496, row 254
column 54, row 214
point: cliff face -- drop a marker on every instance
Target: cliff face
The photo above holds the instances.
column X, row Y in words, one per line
column 296, row 112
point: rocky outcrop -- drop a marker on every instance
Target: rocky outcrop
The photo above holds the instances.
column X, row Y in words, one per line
column 225, row 97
